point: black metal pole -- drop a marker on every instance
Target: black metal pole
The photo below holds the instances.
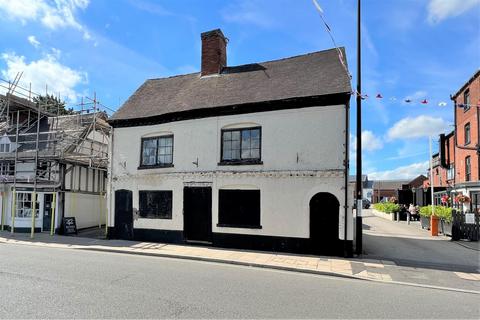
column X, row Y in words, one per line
column 359, row 193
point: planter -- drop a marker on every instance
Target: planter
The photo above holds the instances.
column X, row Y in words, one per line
column 425, row 222
column 446, row 227
column 393, row 216
column 381, row 214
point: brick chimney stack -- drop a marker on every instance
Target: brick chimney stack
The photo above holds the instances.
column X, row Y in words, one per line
column 214, row 52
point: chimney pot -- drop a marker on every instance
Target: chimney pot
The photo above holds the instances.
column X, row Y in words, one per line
column 214, row 52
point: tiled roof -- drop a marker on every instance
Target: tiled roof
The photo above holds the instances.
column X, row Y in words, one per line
column 310, row 75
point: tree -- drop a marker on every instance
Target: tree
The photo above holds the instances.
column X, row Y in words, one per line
column 52, row 104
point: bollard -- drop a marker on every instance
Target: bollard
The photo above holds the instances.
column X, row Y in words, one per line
column 433, row 225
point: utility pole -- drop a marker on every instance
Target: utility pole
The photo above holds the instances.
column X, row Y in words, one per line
column 359, row 193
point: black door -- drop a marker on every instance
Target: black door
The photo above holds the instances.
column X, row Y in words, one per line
column 197, row 213
column 47, row 211
column 324, row 215
column 123, row 214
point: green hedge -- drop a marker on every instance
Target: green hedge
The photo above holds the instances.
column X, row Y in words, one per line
column 442, row 212
column 387, row 207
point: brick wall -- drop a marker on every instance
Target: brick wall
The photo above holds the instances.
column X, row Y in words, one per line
column 464, row 117
column 214, row 52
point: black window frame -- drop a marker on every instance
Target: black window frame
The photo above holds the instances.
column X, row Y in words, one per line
column 249, row 161
column 141, row 211
column 475, row 202
column 466, row 100
column 156, row 165
column 228, row 223
column 467, row 137
column 468, row 169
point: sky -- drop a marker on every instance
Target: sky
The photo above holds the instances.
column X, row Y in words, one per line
column 411, row 49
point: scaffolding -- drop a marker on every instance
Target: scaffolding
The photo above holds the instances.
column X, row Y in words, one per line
column 35, row 131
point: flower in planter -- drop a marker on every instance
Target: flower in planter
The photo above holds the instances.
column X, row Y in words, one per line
column 462, row 199
column 445, row 199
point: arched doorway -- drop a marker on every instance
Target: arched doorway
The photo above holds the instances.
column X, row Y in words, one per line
column 324, row 211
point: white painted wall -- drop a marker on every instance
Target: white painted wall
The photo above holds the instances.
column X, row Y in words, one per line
column 308, row 142
column 89, row 210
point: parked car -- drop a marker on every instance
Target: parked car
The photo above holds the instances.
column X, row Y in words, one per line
column 365, row 204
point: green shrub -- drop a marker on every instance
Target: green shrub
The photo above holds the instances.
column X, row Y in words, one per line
column 442, row 212
column 386, row 207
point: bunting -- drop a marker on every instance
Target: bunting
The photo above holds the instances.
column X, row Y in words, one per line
column 425, row 101
column 379, row 95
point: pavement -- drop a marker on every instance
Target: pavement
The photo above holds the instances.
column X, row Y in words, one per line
column 42, row 282
column 376, row 270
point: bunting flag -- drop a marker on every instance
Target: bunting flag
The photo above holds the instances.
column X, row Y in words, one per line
column 329, row 31
column 442, row 104
column 424, row 101
column 379, row 96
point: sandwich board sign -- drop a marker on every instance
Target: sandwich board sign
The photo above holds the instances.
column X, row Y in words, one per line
column 470, row 218
column 69, row 226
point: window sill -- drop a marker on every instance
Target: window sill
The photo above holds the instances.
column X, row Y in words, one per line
column 244, row 226
column 240, row 162
column 155, row 166
column 155, row 218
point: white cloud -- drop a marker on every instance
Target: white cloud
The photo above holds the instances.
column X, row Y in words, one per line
column 439, row 10
column 247, row 12
column 53, row 15
column 370, row 142
column 46, row 71
column 33, row 41
column 404, row 172
column 153, row 8
column 421, row 126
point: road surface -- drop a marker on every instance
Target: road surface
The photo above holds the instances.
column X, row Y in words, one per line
column 409, row 245
column 42, row 282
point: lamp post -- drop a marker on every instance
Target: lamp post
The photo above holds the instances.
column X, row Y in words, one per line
column 359, row 186
column 433, row 218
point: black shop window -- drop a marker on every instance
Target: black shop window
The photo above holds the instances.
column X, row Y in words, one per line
column 239, row 209
column 155, row 204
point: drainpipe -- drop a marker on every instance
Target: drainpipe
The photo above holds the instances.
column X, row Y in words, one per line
column 346, row 207
column 110, row 180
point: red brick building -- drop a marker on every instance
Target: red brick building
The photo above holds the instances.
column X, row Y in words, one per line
column 457, row 165
column 467, row 114
column 443, row 173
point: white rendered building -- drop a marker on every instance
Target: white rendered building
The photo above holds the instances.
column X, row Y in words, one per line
column 252, row 156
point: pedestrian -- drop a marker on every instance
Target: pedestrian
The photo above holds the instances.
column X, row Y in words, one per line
column 410, row 212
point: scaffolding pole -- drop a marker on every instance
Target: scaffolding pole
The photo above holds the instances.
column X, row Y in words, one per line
column 14, row 193
column 80, row 140
column 35, row 169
